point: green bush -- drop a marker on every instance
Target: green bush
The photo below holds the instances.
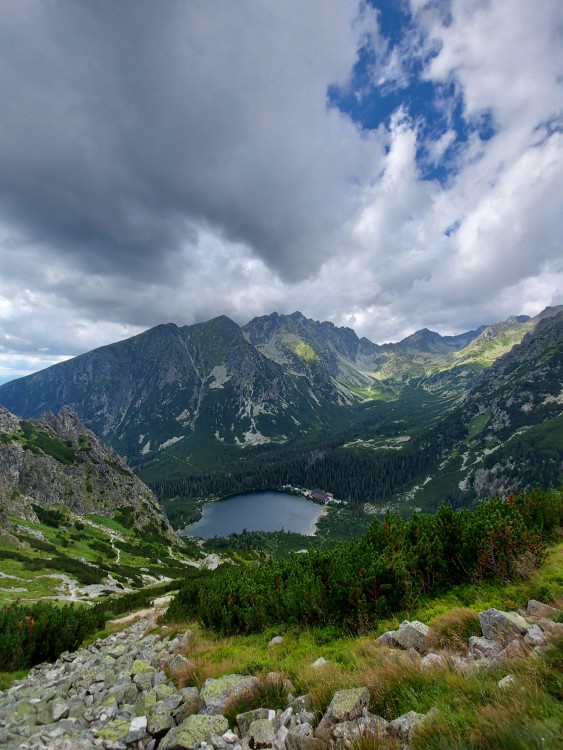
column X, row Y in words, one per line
column 385, row 571
column 33, row 633
column 49, row 516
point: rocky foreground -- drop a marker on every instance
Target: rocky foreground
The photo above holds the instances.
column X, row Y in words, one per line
column 119, row 693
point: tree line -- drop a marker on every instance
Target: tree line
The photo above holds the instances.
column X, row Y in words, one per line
column 357, row 476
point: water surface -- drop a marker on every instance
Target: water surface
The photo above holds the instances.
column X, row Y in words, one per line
column 256, row 511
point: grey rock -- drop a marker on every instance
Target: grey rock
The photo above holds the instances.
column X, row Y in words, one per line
column 345, row 706
column 275, row 640
column 502, row 626
column 507, row 682
column 302, row 703
column 59, row 710
column 195, row 730
column 144, row 680
column 434, row 661
column 483, row 648
column 348, row 731
column 178, row 663
column 216, row 694
column 514, row 650
column 230, row 737
column 388, row 639
column 320, row 662
column 137, row 729
column 261, row 734
column 244, row 720
column 406, row 725
column 413, row 635
column 535, row 636
column 159, row 720
column 538, row 609
column 297, row 740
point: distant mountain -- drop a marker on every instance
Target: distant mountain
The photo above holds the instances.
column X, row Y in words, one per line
column 55, row 460
column 513, row 419
column 175, row 393
column 178, row 400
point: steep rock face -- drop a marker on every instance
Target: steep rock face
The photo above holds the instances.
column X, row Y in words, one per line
column 149, row 395
column 56, row 460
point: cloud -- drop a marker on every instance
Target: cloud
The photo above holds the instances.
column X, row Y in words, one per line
column 180, row 161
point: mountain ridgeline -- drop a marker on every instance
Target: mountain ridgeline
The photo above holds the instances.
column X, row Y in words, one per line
column 213, row 408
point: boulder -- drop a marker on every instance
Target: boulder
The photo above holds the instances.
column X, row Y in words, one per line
column 195, row 730
column 406, row 725
column 538, row 609
column 246, row 719
column 413, row 635
column 261, row 734
column 483, row 648
column 346, row 705
column 216, row 694
column 434, row 661
column 346, row 732
column 275, row 640
column 502, row 626
column 535, row 636
column 159, row 720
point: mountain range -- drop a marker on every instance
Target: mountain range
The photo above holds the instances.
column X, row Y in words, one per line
column 177, row 401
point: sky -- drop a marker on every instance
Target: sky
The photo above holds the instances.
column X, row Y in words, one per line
column 386, row 165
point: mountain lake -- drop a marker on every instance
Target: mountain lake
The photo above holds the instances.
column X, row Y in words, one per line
column 256, row 511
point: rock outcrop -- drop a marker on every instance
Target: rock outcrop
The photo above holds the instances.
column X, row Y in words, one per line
column 55, row 460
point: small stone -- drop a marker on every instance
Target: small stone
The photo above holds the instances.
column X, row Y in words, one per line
column 320, row 662
column 230, row 737
column 275, row 640
column 59, row 710
column 178, row 663
column 507, row 682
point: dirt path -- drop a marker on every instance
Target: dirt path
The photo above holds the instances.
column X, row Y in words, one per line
column 159, row 607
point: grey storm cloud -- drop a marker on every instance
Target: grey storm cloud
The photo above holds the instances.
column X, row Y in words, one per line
column 125, row 126
column 176, row 160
